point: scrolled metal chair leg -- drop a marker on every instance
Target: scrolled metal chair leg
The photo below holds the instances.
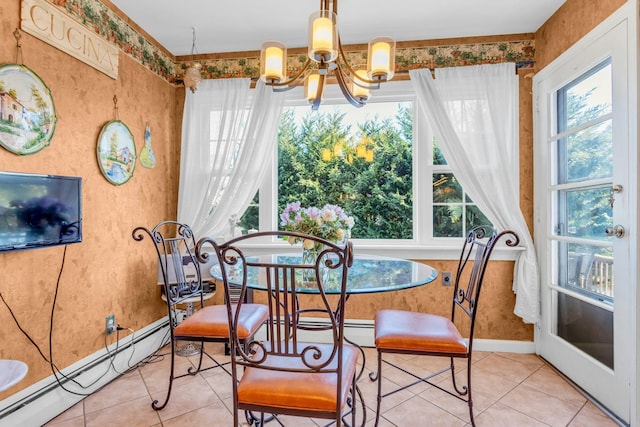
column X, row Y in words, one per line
column 154, row 404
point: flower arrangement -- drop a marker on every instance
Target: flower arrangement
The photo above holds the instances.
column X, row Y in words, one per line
column 330, row 223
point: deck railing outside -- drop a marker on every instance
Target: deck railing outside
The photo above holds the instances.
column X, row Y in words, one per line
column 593, row 273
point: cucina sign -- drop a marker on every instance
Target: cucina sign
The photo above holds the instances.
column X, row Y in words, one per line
column 46, row 22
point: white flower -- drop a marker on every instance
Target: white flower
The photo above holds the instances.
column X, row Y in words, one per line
column 340, row 234
column 328, row 215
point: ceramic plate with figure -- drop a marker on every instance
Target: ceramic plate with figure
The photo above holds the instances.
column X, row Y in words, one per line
column 27, row 114
column 116, row 152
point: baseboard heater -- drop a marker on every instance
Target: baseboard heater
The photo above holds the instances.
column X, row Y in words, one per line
column 46, row 399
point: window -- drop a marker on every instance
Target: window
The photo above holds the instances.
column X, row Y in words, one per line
column 372, row 161
column 454, row 213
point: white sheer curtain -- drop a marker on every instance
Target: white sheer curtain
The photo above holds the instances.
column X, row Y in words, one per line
column 229, row 134
column 474, row 113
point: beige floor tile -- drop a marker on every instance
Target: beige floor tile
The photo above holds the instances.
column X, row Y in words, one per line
column 186, row 398
column 547, row 381
column 591, row 416
column 221, row 384
column 417, row 412
column 369, row 391
column 126, row 388
column 541, row 406
column 214, row 415
column 456, row 406
column 487, row 383
column 137, row 413
column 156, row 378
column 531, row 360
column 402, row 379
column 499, row 415
column 506, row 367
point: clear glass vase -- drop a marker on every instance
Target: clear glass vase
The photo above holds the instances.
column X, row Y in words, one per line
column 309, row 256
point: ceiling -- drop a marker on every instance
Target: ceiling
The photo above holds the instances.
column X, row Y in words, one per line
column 235, row 26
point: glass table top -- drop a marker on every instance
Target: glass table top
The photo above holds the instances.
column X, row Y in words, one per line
column 369, row 274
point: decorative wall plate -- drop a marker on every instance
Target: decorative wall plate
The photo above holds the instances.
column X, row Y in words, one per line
column 116, row 152
column 27, row 114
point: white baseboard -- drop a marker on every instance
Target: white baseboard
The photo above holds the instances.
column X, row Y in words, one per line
column 46, row 399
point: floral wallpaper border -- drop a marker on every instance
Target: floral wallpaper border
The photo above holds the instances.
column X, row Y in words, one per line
column 105, row 22
column 520, row 51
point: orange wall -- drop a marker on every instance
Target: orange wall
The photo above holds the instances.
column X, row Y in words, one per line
column 568, row 25
column 108, row 272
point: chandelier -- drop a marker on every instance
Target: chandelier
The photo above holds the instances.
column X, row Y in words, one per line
column 192, row 77
column 326, row 57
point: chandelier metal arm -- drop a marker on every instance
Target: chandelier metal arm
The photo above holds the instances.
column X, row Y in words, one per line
column 290, row 83
column 316, row 101
column 342, row 83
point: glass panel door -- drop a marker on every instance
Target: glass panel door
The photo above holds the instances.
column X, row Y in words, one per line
column 583, row 208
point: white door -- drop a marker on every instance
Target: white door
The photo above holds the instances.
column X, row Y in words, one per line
column 585, row 209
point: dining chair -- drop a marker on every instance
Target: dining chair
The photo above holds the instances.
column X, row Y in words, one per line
column 182, row 284
column 302, row 365
column 416, row 333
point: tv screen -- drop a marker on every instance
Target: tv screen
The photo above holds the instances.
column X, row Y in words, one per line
column 39, row 210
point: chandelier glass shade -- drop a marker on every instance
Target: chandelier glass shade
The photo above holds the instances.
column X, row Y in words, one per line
column 325, row 58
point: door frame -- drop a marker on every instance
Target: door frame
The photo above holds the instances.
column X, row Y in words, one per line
column 629, row 301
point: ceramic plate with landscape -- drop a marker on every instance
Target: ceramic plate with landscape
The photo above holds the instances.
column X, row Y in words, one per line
column 116, row 152
column 27, row 114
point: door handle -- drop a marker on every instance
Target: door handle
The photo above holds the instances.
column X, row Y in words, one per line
column 617, row 231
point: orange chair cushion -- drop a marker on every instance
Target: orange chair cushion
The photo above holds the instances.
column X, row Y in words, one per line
column 417, row 332
column 297, row 391
column 212, row 322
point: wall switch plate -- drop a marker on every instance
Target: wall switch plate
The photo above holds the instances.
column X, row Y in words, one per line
column 110, row 324
column 446, row 278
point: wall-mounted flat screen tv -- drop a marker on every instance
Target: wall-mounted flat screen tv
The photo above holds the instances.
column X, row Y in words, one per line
column 39, row 210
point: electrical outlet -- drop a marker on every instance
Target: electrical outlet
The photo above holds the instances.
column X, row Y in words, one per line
column 110, row 324
column 446, row 278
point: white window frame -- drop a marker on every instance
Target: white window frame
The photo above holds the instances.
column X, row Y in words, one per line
column 423, row 245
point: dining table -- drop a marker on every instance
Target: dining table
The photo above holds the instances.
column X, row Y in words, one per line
column 368, row 274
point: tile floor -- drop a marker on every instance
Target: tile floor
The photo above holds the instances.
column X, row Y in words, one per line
column 509, row 390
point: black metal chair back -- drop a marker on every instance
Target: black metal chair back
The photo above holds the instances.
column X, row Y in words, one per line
column 177, row 262
column 474, row 259
column 290, row 345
